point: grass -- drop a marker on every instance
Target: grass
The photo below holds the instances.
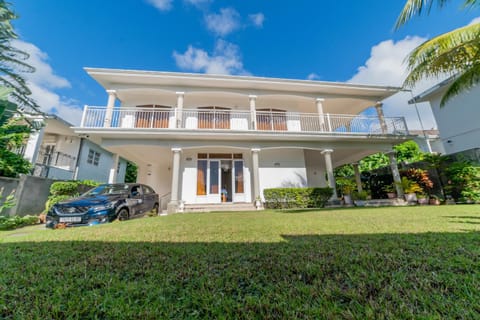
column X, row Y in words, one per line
column 411, row 262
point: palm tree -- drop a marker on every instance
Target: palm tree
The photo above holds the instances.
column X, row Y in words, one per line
column 12, row 62
column 456, row 53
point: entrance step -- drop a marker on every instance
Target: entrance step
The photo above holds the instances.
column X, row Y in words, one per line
column 245, row 206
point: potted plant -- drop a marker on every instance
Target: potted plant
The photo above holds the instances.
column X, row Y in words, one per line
column 360, row 197
column 422, row 199
column 347, row 186
column 411, row 188
column 390, row 190
column 258, row 203
column 434, row 200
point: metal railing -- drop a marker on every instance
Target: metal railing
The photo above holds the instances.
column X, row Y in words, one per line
column 56, row 159
column 200, row 119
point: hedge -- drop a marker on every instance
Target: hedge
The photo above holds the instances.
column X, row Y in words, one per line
column 282, row 198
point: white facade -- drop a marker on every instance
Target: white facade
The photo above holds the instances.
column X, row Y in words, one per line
column 212, row 139
column 457, row 121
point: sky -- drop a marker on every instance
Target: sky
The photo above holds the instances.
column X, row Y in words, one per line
column 347, row 41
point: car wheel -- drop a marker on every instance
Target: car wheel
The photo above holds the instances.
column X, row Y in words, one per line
column 155, row 209
column 122, row 215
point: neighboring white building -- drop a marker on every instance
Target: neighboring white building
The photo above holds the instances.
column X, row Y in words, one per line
column 195, row 135
column 457, row 121
column 57, row 152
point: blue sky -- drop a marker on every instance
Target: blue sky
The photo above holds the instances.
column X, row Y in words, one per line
column 346, row 40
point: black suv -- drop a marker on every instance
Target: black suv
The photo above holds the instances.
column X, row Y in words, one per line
column 104, row 203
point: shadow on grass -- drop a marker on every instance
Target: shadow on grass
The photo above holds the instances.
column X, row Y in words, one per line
column 463, row 217
column 330, row 276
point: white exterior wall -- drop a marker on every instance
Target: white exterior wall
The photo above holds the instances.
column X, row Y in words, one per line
column 458, row 121
column 159, row 177
column 315, row 167
column 282, row 168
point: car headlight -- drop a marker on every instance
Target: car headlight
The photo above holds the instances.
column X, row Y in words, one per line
column 103, row 207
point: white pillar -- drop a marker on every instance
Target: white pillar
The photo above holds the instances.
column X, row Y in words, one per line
column 321, row 116
column 112, row 177
column 180, row 100
column 175, row 175
column 327, row 153
column 112, row 95
column 33, row 145
column 395, row 173
column 381, row 118
column 255, row 173
column 358, row 179
column 253, row 106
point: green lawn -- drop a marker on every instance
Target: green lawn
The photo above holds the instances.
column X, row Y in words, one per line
column 410, row 262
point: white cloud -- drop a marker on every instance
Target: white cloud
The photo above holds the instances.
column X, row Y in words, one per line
column 223, row 23
column 386, row 66
column 257, row 19
column 43, row 83
column 162, row 5
column 197, row 3
column 474, row 21
column 225, row 59
column 313, row 76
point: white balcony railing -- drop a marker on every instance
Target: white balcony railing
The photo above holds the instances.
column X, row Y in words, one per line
column 204, row 119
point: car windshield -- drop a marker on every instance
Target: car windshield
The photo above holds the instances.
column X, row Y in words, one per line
column 108, row 189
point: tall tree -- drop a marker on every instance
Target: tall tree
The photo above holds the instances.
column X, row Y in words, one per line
column 456, row 53
column 12, row 62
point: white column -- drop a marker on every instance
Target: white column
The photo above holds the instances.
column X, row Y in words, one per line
column 112, row 177
column 327, row 153
column 255, row 173
column 358, row 179
column 381, row 117
column 395, row 173
column 180, row 100
column 253, row 101
column 112, row 95
column 175, row 174
column 321, row 116
column 33, row 145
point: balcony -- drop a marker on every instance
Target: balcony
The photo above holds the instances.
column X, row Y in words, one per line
column 229, row 120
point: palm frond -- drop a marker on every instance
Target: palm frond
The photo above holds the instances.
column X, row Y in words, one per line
column 464, row 81
column 450, row 53
column 417, row 7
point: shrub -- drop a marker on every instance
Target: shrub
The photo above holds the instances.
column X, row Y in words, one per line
column 420, row 176
column 61, row 188
column 281, row 198
column 9, row 223
column 463, row 181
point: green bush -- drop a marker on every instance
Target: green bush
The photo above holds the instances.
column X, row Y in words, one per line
column 463, row 181
column 61, row 188
column 282, row 198
column 9, row 223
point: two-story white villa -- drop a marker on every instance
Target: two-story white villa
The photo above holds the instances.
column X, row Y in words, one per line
column 200, row 138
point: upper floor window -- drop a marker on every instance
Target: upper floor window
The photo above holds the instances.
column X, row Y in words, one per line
column 93, row 157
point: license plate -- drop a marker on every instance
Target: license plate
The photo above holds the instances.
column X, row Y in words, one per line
column 70, row 219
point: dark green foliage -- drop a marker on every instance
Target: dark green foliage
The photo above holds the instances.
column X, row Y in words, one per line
column 131, row 172
column 407, row 152
column 12, row 61
column 281, row 198
column 463, row 181
column 9, row 223
column 12, row 136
